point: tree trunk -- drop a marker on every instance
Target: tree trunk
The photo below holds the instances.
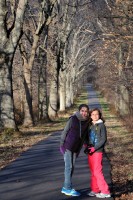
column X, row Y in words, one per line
column 43, row 99
column 62, row 85
column 8, row 44
column 124, row 101
column 120, row 60
column 71, row 92
column 53, row 92
column 6, row 93
column 28, row 116
column 68, row 92
column 123, row 92
column 28, row 112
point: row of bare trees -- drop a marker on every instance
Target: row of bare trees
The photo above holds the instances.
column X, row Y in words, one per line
column 113, row 71
column 50, row 48
column 43, row 58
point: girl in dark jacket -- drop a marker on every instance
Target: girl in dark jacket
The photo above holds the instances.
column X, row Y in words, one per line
column 97, row 138
column 71, row 142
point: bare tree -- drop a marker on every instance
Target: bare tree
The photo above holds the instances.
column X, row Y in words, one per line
column 43, row 79
column 53, row 70
column 37, row 24
column 73, row 44
column 9, row 36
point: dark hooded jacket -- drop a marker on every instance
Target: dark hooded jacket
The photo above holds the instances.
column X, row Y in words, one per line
column 74, row 133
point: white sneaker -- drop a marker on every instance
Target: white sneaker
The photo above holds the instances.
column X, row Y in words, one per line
column 102, row 195
column 92, row 194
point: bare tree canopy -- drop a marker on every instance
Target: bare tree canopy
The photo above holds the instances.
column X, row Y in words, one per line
column 50, row 49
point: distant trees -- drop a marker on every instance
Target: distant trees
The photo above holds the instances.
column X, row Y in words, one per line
column 66, row 51
column 114, row 52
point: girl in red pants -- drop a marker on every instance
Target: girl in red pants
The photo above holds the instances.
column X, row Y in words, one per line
column 97, row 138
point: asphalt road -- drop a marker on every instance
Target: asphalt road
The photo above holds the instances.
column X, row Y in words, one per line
column 38, row 173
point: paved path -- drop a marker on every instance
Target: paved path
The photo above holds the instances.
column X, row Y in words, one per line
column 92, row 96
column 38, row 173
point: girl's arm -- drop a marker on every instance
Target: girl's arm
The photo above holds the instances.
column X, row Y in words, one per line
column 86, row 140
column 65, row 131
column 102, row 138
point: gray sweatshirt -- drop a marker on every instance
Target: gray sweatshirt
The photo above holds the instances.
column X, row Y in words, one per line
column 99, row 130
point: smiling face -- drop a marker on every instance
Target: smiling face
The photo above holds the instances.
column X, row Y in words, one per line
column 84, row 112
column 95, row 116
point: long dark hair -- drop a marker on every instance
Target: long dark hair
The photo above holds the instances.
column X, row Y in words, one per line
column 83, row 105
column 99, row 112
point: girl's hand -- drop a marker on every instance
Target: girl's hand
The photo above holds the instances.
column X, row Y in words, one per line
column 62, row 149
column 91, row 150
column 85, row 145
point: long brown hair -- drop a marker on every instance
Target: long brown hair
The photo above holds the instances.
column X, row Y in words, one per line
column 99, row 112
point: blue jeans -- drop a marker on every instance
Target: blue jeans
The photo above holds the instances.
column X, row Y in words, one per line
column 69, row 159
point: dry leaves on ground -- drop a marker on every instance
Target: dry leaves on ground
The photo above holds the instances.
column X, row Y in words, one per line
column 120, row 151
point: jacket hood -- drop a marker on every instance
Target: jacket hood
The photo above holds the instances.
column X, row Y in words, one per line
column 79, row 116
column 99, row 121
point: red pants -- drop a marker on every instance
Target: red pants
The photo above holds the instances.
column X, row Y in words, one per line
column 98, row 183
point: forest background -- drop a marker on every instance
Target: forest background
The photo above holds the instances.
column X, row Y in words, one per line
column 50, row 49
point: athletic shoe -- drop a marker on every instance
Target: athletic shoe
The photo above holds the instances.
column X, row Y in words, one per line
column 71, row 192
column 102, row 195
column 92, row 194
